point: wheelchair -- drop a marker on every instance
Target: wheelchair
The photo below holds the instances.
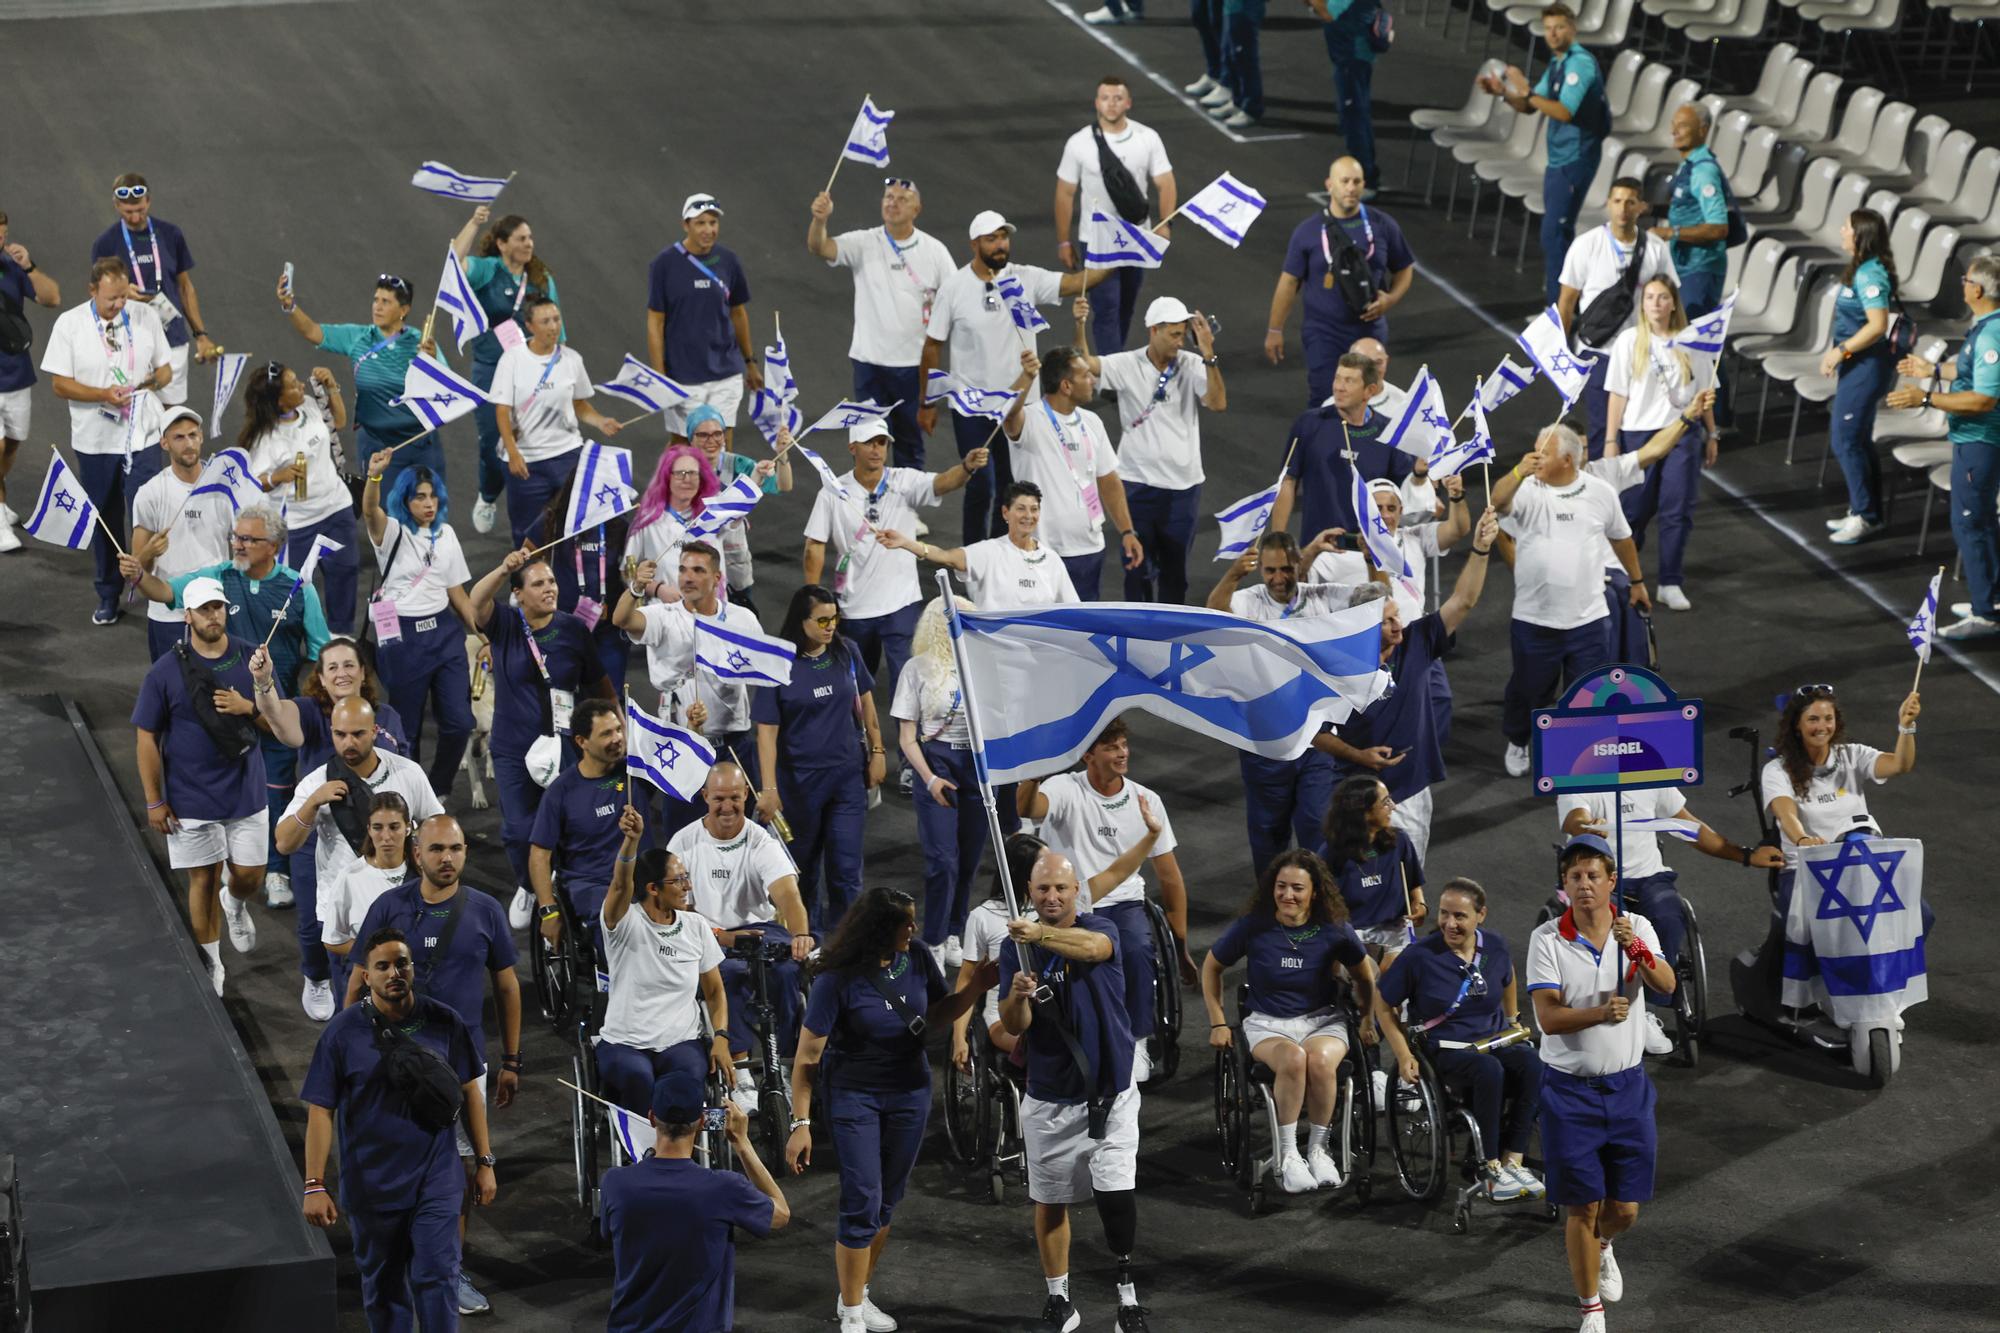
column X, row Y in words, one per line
column 571, row 976
column 1165, row 1050
column 982, row 1119
column 1243, row 1086
column 772, row 1123
column 1422, row 1123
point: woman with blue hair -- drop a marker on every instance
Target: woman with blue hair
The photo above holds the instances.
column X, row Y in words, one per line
column 420, row 651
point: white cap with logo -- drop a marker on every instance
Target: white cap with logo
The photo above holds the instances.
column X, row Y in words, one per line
column 987, row 223
column 866, row 429
column 202, row 592
column 696, row 204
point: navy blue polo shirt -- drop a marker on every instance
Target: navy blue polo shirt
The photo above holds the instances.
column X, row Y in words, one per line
column 1430, row 976
column 696, row 293
column 154, row 257
column 521, row 711
column 1325, row 495
column 578, row 823
column 1325, row 309
column 387, row 1161
column 674, row 1259
column 1090, row 997
column 200, row 782
column 483, row 943
column 316, row 737
column 869, row 1045
column 1291, row 967
column 818, row 715
column 18, row 370
column 1373, row 888
column 1404, row 718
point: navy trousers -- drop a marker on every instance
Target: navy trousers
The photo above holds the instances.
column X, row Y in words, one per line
column 427, row 666
column 1086, row 573
column 880, row 637
column 1655, row 898
column 1701, row 293
column 315, row 964
column 1596, row 407
column 903, row 386
column 1563, row 189
column 112, row 489
column 1241, row 20
column 1508, row 1080
column 162, row 635
column 1669, row 490
column 339, row 571
column 492, row 462
column 1165, row 521
column 1543, row 660
column 1975, row 480
column 527, row 495
column 953, row 839
column 1857, row 394
column 1353, row 80
column 520, row 798
column 1112, row 303
column 409, row 1262
column 826, row 807
column 1285, row 799
column 1135, row 952
column 281, row 764
column 628, row 1073
column 1206, row 16
column 877, row 1136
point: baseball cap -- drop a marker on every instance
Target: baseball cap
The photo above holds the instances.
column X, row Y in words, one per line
column 678, row 1098
column 201, row 592
column 698, row 203
column 1588, row 842
column 180, row 414
column 987, row 223
column 1167, row 310
column 1383, row 485
column 868, row 428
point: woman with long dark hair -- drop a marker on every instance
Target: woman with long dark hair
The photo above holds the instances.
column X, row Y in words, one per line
column 389, row 859
column 1866, row 366
column 1374, row 865
column 290, row 444
column 874, row 999
column 819, row 747
column 505, row 274
column 1815, row 788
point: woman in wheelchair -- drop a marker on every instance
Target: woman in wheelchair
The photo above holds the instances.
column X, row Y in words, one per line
column 1375, row 866
column 661, row 955
column 1295, row 933
column 1459, row 985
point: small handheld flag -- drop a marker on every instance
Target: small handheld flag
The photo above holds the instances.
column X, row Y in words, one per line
column 1244, row 522
column 774, row 407
column 1707, row 335
column 1548, row 347
column 602, row 489
column 228, row 474
column 63, row 514
column 674, row 760
column 868, row 141
column 456, row 297
column 228, row 370
column 1688, row 830
column 993, row 404
column 732, row 502
column 436, row 393
column 643, row 387
column 743, row 654
column 1422, row 429
column 1382, row 544
column 439, row 179
column 844, row 414
column 1023, row 311
column 827, row 477
column 322, row 545
column 1478, row 449
column 937, row 385
column 1923, row 626
column 1112, row 242
column 1225, row 208
column 1508, row 378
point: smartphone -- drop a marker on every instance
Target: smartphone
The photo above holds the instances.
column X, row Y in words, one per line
column 1347, row 541
column 286, row 280
column 714, row 1118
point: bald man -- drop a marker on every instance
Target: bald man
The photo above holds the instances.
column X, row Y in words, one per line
column 1353, row 266
column 333, row 800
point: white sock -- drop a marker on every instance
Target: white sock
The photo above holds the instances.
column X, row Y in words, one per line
column 1288, row 1140
column 1128, row 1294
column 1316, row 1136
column 213, row 949
column 1059, row 1286
column 1604, row 1247
column 851, row 1311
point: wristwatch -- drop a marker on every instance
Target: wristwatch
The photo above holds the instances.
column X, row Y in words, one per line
column 488, row 1160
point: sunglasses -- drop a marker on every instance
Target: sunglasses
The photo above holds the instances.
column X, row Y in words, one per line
column 394, row 284
column 904, row 181
column 992, row 298
column 704, row 204
column 826, row 622
column 1814, row 692
column 126, row 193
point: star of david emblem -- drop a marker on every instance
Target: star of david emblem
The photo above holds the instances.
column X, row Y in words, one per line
column 1562, row 364
column 1435, row 419
column 1229, row 207
column 460, row 187
column 1834, row 904
column 607, row 494
column 738, row 661
column 666, row 754
column 229, row 473
column 65, row 501
column 1182, row 658
column 444, row 399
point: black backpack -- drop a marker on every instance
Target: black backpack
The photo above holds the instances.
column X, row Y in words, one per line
column 1351, row 272
column 1611, row 309
column 234, row 736
column 17, row 335
column 1128, row 196
column 431, row 1093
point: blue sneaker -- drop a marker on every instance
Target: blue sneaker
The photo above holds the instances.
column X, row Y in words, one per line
column 469, row 1299
column 106, row 612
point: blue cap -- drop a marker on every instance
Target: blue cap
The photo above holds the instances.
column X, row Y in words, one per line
column 1589, row 842
column 700, row 413
column 678, row 1098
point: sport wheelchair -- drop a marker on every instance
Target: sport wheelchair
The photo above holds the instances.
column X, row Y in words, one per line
column 982, row 1111
column 1423, row 1121
column 1165, row 1051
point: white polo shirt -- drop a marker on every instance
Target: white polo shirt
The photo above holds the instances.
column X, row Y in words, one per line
column 308, row 433
column 895, row 287
column 1638, row 853
column 876, row 580
column 1095, row 830
column 1584, row 978
column 1000, row 576
column 419, row 569
column 1137, row 146
column 669, row 642
column 332, row 857
column 656, row 975
column 1559, row 537
column 1159, row 443
column 197, row 531
column 1317, row 598
column 1655, row 389
column 1835, row 799
column 733, row 879
column 81, row 348
column 970, row 317
column 1595, row 261
column 541, row 392
column 1065, row 455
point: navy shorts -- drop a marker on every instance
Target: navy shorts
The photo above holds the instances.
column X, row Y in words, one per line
column 1598, row 1138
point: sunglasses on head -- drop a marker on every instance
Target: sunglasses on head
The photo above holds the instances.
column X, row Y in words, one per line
column 1814, row 692
column 904, row 181
column 394, row 284
column 126, row 193
column 992, row 298
column 705, row 205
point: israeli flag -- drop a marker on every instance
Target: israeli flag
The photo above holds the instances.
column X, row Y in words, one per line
column 937, row 386
column 1548, row 347
column 1244, row 522
column 322, row 545
column 63, row 514
column 1688, row 830
column 436, row 393
column 1708, row 333
column 1923, row 627
column 632, row 1132
column 228, row 474
column 1023, row 311
column 827, row 477
column 640, row 385
column 1060, row 673
column 734, row 501
column 228, row 370
column 1422, row 429
column 602, row 489
column 844, row 414
column 457, row 299
column 1382, row 543
column 437, row 178
column 675, row 761
column 993, row 404
column 1478, row 449
column 1854, row 942
column 1112, row 242
column 1225, row 208
column 1508, row 378
column 868, row 141
column 742, row 654
column 774, row 407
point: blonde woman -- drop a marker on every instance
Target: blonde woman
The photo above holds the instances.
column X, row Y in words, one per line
column 1650, row 382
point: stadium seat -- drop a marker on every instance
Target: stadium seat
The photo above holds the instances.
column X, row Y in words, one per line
column 1944, row 168
column 1923, row 281
column 1780, row 64
column 1642, row 113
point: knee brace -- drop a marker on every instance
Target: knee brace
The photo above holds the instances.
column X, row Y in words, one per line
column 1118, row 1210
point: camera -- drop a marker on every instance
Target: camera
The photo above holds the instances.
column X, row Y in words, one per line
column 714, row 1118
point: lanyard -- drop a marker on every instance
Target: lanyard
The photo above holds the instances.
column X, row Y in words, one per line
column 696, row 261
column 111, row 349
column 900, row 256
column 534, row 649
column 1160, row 387
column 423, row 575
column 1367, row 232
column 578, row 552
column 1062, row 438
column 1617, row 250
column 382, row 342
column 132, row 256
column 536, row 392
column 1478, row 970
column 949, row 714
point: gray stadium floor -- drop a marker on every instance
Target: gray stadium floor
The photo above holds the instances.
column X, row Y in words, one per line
column 1790, row 1197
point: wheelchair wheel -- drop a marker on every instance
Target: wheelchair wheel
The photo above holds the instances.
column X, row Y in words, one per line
column 1357, row 1128
column 1691, row 992
column 962, row 1116
column 583, row 1134
column 1419, row 1136
column 773, row 1127
column 1231, row 1114
column 1166, row 996
column 550, row 965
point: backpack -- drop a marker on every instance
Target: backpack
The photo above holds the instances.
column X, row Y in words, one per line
column 1126, row 194
column 1611, row 309
column 17, row 335
column 1381, row 34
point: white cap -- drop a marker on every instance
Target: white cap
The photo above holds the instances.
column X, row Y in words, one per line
column 987, row 223
column 1167, row 310
column 182, row 413
column 868, row 428
column 200, row 592
column 698, row 203
column 1384, row 486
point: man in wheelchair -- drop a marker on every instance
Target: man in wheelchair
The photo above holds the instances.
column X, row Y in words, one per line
column 579, row 824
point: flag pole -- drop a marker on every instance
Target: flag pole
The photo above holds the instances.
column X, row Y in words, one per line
column 1155, row 228
column 1925, row 655
column 866, row 97
column 503, row 188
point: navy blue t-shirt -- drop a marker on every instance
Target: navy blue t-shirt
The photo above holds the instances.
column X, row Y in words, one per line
column 578, row 823
column 1429, row 975
column 869, row 1046
column 18, row 370
column 137, row 249
column 1373, row 889
column 1090, row 997
column 483, row 943
column 1291, row 967
column 695, row 293
column 387, row 1161
column 200, row 782
column 1326, row 312
column 1405, row 718
column 818, row 715
column 521, row 701
column 674, row 1258
column 1325, row 495
column 316, row 742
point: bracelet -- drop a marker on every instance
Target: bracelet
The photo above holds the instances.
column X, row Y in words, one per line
column 1487, row 551
column 876, row 749
column 32, row 266
column 627, row 860
column 801, row 1124
column 1746, row 857
column 1905, row 731
column 548, row 910
column 1213, row 1026
column 374, row 479
column 287, row 309
column 301, row 823
column 1515, row 472
column 1128, row 532
column 154, row 805
column 315, row 1180
column 1846, row 352
column 199, row 333
column 1274, row 330
column 266, row 687
column 1210, row 360
column 312, row 1190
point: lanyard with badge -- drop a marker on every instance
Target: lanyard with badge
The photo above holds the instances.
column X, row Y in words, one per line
column 694, row 259
column 561, row 702
column 535, row 393
column 109, row 339
column 132, row 257
column 588, row 609
column 1160, row 388
column 900, row 259
column 1471, row 983
column 949, row 714
column 1086, row 488
column 385, row 611
column 1326, row 246
column 863, row 540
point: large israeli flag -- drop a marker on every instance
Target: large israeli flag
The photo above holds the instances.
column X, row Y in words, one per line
column 674, row 760
column 1047, row 681
column 1854, row 942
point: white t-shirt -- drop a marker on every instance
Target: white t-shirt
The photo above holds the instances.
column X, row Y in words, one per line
column 970, row 317
column 670, row 665
column 306, row 433
column 660, row 541
column 1620, row 474
column 1835, row 799
column 1583, row 979
column 1388, row 400
column 985, row 937
column 1000, row 576
column 877, row 581
column 1419, row 546
column 1160, row 443
column 541, row 392
column 80, row 349
column 1065, row 456
column 1638, row 853
column 420, row 568
column 895, row 285
column 1309, row 599
column 1094, row 831
column 931, row 698
column 345, row 906
column 197, row 530
column 333, row 857
column 1595, row 262
column 732, row 880
column 1137, row 146
column 1559, row 535
column 656, row 978
column 1654, row 390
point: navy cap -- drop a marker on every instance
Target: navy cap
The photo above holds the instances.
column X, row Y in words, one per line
column 1589, row 842
column 678, row 1098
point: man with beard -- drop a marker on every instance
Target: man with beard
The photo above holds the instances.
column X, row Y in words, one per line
column 576, row 828
column 1065, row 451
column 173, row 529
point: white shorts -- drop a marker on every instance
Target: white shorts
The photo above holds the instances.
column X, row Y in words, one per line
column 242, row 842
column 458, row 1129
column 724, row 395
column 1065, row 1164
column 1413, row 816
column 1259, row 1028
column 15, row 414
column 1394, row 937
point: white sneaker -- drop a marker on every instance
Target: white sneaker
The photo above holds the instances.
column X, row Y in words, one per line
column 1961, row 609
column 1504, row 1186
column 1610, row 1282
column 1294, row 1176
column 317, row 1000
column 954, row 952
column 521, row 910
column 277, row 890
column 1201, row 87
column 1325, row 1170
column 1673, row 598
column 1593, row 1320
column 216, row 974
column 849, row 1322
column 484, row 512
column 7, row 512
column 1217, row 96
column 872, row 1317
column 1102, row 17
column 1223, row 110
column 1518, row 760
column 1852, row 529
column 1972, row 627
column 745, row 1092
column 1657, row 1042
column 1380, row 1083
column 1833, row 523
column 242, row 929
column 8, row 541
column 1531, row 1184
column 1239, row 120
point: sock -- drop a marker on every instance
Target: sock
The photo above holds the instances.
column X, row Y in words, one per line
column 1288, row 1140
column 1604, row 1247
column 850, row 1314
column 1590, row 1304
column 1059, row 1286
column 213, row 950
column 1316, row 1136
column 1128, row 1294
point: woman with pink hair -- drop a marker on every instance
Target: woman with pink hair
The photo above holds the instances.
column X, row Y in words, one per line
column 681, row 486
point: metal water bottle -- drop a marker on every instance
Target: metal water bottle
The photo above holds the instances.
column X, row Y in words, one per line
column 299, row 475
